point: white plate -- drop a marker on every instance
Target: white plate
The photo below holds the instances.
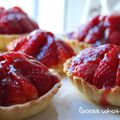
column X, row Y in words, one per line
column 69, row 105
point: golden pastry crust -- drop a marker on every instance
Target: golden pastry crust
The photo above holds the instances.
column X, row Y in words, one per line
column 58, row 68
column 76, row 45
column 91, row 91
column 5, row 39
column 21, row 111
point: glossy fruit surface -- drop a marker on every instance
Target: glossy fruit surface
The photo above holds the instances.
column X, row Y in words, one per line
column 99, row 30
column 15, row 21
column 43, row 46
column 22, row 78
column 98, row 66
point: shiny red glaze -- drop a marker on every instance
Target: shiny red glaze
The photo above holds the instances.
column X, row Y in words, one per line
column 98, row 66
column 105, row 74
column 100, row 30
column 43, row 46
column 15, row 21
column 23, row 79
column 64, row 51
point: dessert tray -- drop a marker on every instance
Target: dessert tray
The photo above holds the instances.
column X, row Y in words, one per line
column 68, row 104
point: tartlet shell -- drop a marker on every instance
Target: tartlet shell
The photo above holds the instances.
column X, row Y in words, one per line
column 76, row 45
column 91, row 91
column 5, row 39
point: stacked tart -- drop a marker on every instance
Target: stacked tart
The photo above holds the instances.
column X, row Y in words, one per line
column 95, row 72
column 14, row 22
column 26, row 86
column 43, row 46
column 100, row 30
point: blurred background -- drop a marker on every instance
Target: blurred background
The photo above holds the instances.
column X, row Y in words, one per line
column 60, row 16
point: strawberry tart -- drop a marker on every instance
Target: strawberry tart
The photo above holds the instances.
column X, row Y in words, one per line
column 43, row 46
column 26, row 86
column 95, row 72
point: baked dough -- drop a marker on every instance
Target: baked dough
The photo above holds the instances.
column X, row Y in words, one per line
column 76, row 45
column 5, row 39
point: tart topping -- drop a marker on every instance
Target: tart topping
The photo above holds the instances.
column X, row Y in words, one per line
column 23, row 79
column 105, row 74
column 43, row 46
column 15, row 21
column 98, row 66
column 100, row 30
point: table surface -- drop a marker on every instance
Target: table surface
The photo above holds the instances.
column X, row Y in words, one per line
column 68, row 104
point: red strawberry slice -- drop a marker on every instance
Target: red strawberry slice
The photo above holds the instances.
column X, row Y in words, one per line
column 85, row 64
column 43, row 46
column 10, row 22
column 114, row 37
column 15, row 21
column 118, row 75
column 23, row 78
column 12, row 92
column 34, row 43
column 30, row 45
column 17, row 44
column 86, row 70
column 100, row 30
column 18, row 90
column 105, row 74
column 41, row 80
column 82, row 32
column 48, row 54
column 91, row 54
column 19, row 10
column 33, row 70
column 64, row 51
column 95, row 35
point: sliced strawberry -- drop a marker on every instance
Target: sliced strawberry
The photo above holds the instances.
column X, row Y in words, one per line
column 30, row 45
column 85, row 64
column 12, row 92
column 100, row 30
column 118, row 75
column 17, row 44
column 86, row 70
column 41, row 80
column 95, row 35
column 29, row 90
column 23, row 78
column 81, row 32
column 64, row 51
column 15, row 21
column 19, row 10
column 48, row 54
column 34, row 43
column 33, row 70
column 42, row 45
column 8, row 19
column 91, row 54
column 18, row 90
column 114, row 37
column 105, row 74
